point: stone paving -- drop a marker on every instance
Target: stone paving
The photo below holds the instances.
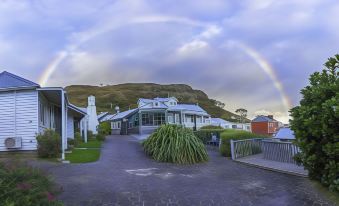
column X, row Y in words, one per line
column 125, row 176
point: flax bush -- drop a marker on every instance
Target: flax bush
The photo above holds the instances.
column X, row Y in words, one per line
column 175, row 144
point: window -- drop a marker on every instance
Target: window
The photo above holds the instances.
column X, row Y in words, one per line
column 156, row 104
column 234, row 126
column 151, row 119
column 130, row 124
column 119, row 124
column 147, row 119
column 177, row 120
column 170, row 119
column 159, row 118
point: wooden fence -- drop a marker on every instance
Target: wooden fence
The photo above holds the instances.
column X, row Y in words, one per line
column 271, row 149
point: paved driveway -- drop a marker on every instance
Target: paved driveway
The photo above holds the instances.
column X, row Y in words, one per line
column 125, row 176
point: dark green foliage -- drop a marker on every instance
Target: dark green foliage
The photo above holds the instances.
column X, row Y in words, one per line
column 105, row 128
column 175, row 144
column 49, row 144
column 228, row 134
column 90, row 135
column 77, row 139
column 210, row 127
column 316, row 125
column 23, row 185
column 205, row 135
column 126, row 96
column 100, row 137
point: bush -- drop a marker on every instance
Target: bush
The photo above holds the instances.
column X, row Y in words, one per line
column 90, row 135
column 77, row 139
column 105, row 128
column 228, row 134
column 205, row 135
column 100, row 137
column 23, row 185
column 211, row 127
column 175, row 144
column 315, row 125
column 49, row 144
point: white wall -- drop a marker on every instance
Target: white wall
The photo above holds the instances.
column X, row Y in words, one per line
column 19, row 117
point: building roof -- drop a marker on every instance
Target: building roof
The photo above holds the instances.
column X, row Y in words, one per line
column 77, row 109
column 263, row 118
column 124, row 114
column 284, row 133
column 188, row 107
column 219, row 121
column 9, row 80
column 102, row 115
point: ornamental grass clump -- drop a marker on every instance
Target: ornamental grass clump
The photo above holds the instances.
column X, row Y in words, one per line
column 175, row 144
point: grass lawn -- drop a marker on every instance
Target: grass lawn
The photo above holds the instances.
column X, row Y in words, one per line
column 83, row 155
column 89, row 152
column 90, row 144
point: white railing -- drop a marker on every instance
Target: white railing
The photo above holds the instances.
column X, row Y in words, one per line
column 271, row 150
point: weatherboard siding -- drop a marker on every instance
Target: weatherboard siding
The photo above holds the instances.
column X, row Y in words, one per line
column 18, row 118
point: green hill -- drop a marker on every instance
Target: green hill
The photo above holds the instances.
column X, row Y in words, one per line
column 127, row 95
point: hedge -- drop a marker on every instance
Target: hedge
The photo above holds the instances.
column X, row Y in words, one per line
column 205, row 135
column 228, row 134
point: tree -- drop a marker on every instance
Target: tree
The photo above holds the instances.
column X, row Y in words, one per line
column 316, row 125
column 242, row 114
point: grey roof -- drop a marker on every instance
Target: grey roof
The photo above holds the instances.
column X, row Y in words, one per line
column 77, row 109
column 107, row 117
column 219, row 121
column 187, row 107
column 102, row 114
column 124, row 114
column 262, row 118
column 285, row 133
column 9, row 80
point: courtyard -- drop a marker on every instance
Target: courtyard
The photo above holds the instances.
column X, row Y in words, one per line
column 124, row 175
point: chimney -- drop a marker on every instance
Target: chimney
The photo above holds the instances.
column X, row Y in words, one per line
column 270, row 116
column 117, row 109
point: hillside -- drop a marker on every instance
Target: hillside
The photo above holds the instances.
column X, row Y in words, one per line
column 127, row 95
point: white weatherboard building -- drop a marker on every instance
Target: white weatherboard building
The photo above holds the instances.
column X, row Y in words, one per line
column 26, row 109
column 151, row 113
column 230, row 125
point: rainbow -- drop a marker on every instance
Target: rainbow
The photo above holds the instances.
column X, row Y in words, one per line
column 86, row 36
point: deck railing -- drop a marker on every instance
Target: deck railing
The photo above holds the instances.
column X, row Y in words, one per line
column 271, row 149
column 279, row 151
column 243, row 148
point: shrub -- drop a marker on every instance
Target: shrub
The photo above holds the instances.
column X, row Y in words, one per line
column 23, row 185
column 49, row 144
column 228, row 134
column 175, row 144
column 77, row 139
column 90, row 134
column 100, row 137
column 211, row 127
column 315, row 125
column 70, row 142
column 104, row 128
column 205, row 135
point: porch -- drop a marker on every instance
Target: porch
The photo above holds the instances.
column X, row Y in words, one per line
column 268, row 154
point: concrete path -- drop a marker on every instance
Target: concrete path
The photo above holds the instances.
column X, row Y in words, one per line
column 125, row 176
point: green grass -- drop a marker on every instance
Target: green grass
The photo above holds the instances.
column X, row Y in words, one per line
column 83, row 155
column 333, row 196
column 93, row 143
column 91, row 153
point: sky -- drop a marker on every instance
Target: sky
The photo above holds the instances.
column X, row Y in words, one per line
column 253, row 54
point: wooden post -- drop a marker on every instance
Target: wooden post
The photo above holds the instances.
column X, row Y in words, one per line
column 232, row 150
column 220, row 142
